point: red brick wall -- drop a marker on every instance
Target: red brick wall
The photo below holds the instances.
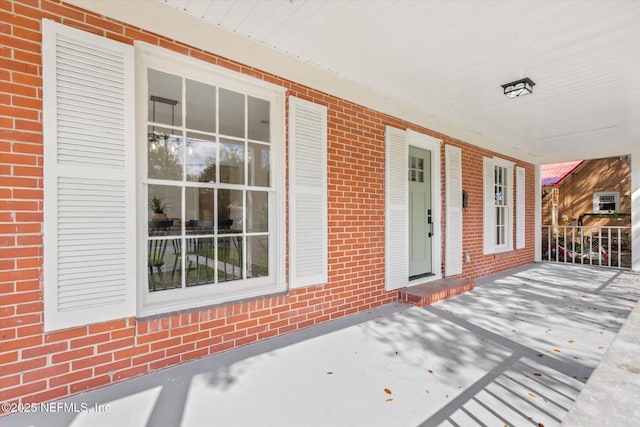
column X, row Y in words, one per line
column 37, row 366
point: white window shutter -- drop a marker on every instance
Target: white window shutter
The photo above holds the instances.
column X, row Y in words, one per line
column 396, row 208
column 308, row 245
column 520, row 207
column 89, row 178
column 453, row 182
column 488, row 210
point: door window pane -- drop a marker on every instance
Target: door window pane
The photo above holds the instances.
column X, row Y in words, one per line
column 199, row 210
column 229, row 258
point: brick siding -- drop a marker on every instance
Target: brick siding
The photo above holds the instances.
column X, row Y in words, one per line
column 37, row 366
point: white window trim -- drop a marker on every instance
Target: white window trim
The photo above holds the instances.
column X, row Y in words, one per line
column 151, row 303
column 490, row 246
column 596, row 201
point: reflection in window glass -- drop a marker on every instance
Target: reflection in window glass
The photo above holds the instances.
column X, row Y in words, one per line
column 164, row 205
column 257, row 211
column 165, row 154
column 199, row 210
column 257, row 256
column 258, row 119
column 229, row 210
column 199, row 260
column 231, row 113
column 229, row 258
column 231, row 162
column 258, row 164
column 201, row 106
column 201, row 158
column 165, row 95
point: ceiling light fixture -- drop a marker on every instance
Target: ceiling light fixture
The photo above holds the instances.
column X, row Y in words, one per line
column 519, row 87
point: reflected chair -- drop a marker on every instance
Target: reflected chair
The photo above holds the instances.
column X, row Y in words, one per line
column 155, row 259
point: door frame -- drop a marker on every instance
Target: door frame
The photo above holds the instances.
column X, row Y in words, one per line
column 397, row 142
column 433, row 145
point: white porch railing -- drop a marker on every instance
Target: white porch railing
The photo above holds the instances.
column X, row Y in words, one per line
column 594, row 245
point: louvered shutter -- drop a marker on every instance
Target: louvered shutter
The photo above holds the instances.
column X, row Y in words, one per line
column 453, row 182
column 89, row 215
column 396, row 208
column 520, row 207
column 307, row 193
column 489, row 205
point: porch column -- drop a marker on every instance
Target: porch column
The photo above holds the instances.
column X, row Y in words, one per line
column 635, row 208
column 537, row 214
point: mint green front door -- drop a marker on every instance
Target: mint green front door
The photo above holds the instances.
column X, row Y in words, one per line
column 420, row 226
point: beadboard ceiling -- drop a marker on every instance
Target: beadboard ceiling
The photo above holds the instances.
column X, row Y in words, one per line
column 449, row 58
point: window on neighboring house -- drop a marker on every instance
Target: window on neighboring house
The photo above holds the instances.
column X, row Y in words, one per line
column 605, row 202
column 498, row 207
column 212, row 173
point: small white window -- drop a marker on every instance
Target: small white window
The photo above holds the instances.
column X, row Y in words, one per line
column 212, row 171
column 498, row 205
column 606, row 202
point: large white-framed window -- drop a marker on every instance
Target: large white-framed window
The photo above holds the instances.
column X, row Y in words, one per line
column 606, row 201
column 211, row 176
column 498, row 205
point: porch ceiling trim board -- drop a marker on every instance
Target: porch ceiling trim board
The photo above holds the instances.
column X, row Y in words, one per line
column 163, row 19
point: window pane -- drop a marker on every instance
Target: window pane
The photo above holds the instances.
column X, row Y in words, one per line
column 199, row 210
column 165, row 94
column 201, row 158
column 164, row 204
column 162, row 262
column 231, row 113
column 230, row 210
column 257, row 256
column 229, row 258
column 165, row 154
column 257, row 211
column 199, row 260
column 231, row 162
column 259, row 120
column 201, row 106
column 258, row 165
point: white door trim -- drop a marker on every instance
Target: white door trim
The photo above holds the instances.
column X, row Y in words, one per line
column 433, row 145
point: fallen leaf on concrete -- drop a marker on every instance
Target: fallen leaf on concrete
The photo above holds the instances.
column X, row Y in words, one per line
column 540, row 355
column 389, row 400
column 556, row 350
column 532, row 395
column 571, row 341
column 538, row 374
column 540, row 425
column 386, row 390
column 600, row 348
column 330, row 373
column 430, row 371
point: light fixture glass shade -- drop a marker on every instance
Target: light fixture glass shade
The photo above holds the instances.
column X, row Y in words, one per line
column 518, row 88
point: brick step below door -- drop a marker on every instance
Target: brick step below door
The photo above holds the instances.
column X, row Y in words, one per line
column 428, row 293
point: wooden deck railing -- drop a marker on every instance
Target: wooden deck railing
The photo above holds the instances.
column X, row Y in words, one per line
column 594, row 245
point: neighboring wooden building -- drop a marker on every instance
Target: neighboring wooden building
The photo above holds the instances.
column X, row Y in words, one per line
column 591, row 192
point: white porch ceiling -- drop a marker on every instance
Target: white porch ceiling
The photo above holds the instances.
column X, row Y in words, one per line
column 449, row 58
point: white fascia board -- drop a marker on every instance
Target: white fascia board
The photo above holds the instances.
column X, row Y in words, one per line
column 160, row 18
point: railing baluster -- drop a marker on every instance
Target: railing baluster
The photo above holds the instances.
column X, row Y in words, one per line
column 586, row 235
column 609, row 247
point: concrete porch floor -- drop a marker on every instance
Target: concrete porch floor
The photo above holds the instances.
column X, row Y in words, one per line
column 517, row 350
